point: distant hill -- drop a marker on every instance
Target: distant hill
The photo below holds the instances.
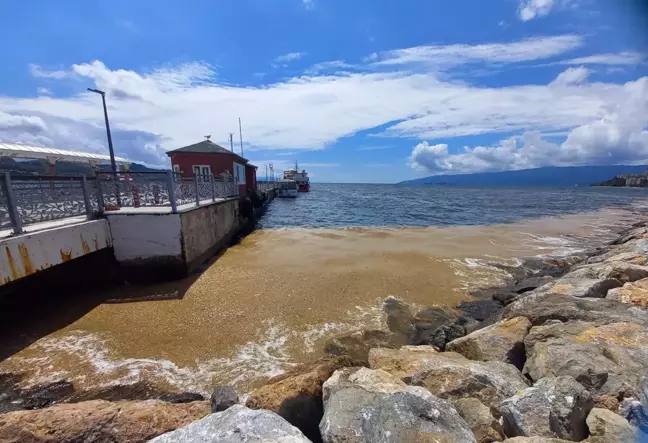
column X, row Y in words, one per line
column 62, row 168
column 547, row 176
column 629, row 180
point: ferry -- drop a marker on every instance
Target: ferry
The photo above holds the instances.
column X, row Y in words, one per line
column 287, row 188
column 301, row 178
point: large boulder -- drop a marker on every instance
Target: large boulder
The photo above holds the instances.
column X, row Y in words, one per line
column 542, row 307
column 553, row 407
column 580, row 286
column 438, row 325
column 482, row 423
column 531, row 283
column 535, row 440
column 607, row 427
column 99, row 421
column 608, row 360
column 632, row 293
column 356, row 344
column 480, row 310
column 223, row 397
column 503, row 341
column 237, row 424
column 297, row 395
column 622, row 271
column 450, row 375
column 399, row 319
column 364, row 406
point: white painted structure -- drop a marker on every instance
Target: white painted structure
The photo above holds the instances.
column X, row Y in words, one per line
column 26, row 254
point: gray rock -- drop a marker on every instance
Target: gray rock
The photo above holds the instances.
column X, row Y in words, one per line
column 503, row 341
column 606, row 426
column 480, row 309
column 482, row 423
column 617, row 270
column 363, row 405
column 541, row 307
column 580, row 286
column 608, row 360
column 531, row 283
column 223, row 397
column 399, row 319
column 535, row 440
column 440, row 336
column 553, row 407
column 450, row 375
column 237, row 424
column 356, row 344
column 505, row 297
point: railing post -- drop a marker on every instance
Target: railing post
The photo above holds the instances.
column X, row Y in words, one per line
column 100, row 199
column 12, row 206
column 213, row 186
column 171, row 191
column 196, row 189
column 86, row 197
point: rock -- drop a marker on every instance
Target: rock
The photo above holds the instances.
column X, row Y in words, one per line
column 13, row 398
column 364, row 405
column 480, row 309
column 503, row 341
column 438, row 326
column 635, row 413
column 617, row 270
column 535, row 440
column 553, row 407
column 135, row 392
column 399, row 319
column 297, row 395
column 440, row 336
column 356, row 344
column 580, row 286
column 606, row 426
column 482, row 423
column 237, row 424
column 607, row 360
column 554, row 267
column 99, row 421
column 223, row 397
column 505, row 297
column 531, row 283
column 450, row 375
column 632, row 293
column 539, row 308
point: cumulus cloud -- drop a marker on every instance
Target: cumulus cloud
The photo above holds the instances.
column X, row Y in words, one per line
column 530, row 9
column 21, row 123
column 571, row 76
column 618, row 136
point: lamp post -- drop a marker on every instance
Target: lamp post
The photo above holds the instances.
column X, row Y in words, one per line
column 113, row 164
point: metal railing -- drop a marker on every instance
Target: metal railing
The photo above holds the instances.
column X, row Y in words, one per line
column 265, row 185
column 161, row 189
column 28, row 199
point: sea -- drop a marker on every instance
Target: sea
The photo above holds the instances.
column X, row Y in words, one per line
column 317, row 266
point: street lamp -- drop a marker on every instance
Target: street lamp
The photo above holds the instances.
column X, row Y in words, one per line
column 110, row 145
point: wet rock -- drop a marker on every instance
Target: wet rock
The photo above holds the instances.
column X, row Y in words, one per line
column 531, row 283
column 553, row 407
column 606, row 360
column 440, row 336
column 450, row 375
column 399, row 319
column 480, row 309
column 135, row 392
column 297, row 395
column 551, row 266
column 356, row 344
column 505, row 297
column 580, row 286
column 13, row 398
column 631, row 293
column 99, row 421
column 607, row 427
column 237, row 424
column 223, row 397
column 539, row 308
column 482, row 423
column 363, row 405
column 503, row 341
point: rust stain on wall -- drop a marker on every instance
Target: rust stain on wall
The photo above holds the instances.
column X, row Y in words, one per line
column 84, row 246
column 26, row 260
column 12, row 265
column 66, row 256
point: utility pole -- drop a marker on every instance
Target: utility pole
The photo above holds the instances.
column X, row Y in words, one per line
column 113, row 164
column 231, row 135
column 266, row 172
column 241, row 136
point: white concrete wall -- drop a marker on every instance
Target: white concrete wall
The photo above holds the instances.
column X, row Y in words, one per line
column 145, row 236
column 27, row 254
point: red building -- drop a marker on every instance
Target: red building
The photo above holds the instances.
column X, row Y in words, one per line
column 207, row 157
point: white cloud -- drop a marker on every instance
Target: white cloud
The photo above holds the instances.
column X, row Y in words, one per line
column 536, row 48
column 572, row 76
column 21, row 123
column 44, row 91
column 619, row 136
column 309, row 4
column 38, row 71
column 530, row 9
column 373, row 148
column 290, row 57
column 620, row 58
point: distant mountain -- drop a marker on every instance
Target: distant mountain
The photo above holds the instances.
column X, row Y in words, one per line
column 629, row 180
column 547, row 176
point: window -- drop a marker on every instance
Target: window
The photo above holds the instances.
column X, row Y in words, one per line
column 176, row 168
column 239, row 173
column 202, row 171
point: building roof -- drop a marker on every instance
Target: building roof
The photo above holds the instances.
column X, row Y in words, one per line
column 205, row 147
column 38, row 152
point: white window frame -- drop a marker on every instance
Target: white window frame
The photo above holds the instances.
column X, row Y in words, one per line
column 201, row 171
column 176, row 168
column 239, row 173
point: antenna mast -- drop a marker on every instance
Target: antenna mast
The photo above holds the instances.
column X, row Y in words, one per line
column 231, row 135
column 241, row 136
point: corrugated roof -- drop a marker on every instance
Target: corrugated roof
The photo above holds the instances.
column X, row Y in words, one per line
column 205, row 147
column 39, row 152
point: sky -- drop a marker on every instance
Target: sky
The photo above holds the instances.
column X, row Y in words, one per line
column 355, row 90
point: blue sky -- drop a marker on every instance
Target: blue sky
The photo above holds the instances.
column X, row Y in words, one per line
column 357, row 91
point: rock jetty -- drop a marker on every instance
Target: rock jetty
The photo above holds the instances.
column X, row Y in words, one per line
column 560, row 354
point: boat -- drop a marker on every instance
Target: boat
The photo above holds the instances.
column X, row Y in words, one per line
column 287, row 188
column 301, row 178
